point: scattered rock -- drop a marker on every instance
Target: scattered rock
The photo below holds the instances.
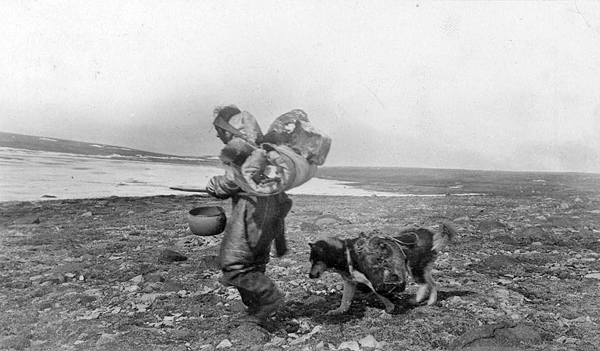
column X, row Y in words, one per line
column 248, row 334
column 17, row 342
column 309, row 227
column 327, row 219
column 33, row 219
column 106, row 339
column 499, row 261
column 87, row 257
column 506, row 240
column 485, row 226
column 533, row 233
column 502, row 334
column 172, row 286
column 198, row 241
column 349, row 345
column 182, row 334
column 455, row 300
column 565, row 340
column 237, row 306
column 369, row 342
column 149, row 298
column 287, row 262
column 87, row 214
column 138, row 279
column 276, row 341
column 154, row 278
column 313, row 299
column 593, row 276
column 167, row 256
column 224, row 344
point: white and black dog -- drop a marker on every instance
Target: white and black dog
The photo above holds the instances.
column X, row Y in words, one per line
column 418, row 247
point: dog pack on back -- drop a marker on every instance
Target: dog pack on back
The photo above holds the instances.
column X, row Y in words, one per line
column 382, row 261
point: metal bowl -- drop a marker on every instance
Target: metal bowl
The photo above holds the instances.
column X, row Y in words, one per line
column 207, row 220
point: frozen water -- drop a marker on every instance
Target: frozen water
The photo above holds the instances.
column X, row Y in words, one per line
column 27, row 175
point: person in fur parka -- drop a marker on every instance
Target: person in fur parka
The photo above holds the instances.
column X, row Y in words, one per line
column 255, row 222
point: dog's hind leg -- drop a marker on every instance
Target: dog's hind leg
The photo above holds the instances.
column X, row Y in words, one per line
column 427, row 285
column 431, row 287
column 347, row 296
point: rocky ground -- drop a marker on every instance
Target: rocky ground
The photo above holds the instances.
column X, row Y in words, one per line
column 523, row 273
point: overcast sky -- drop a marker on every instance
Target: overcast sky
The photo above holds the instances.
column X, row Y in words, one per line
column 500, row 85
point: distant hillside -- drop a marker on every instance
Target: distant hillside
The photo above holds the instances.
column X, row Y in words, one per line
column 37, row 143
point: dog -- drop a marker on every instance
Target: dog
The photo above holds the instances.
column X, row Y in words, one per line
column 417, row 247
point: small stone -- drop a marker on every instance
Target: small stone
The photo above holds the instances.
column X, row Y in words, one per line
column 87, row 214
column 138, row 279
column 490, row 225
column 276, row 341
column 503, row 281
column 455, row 300
column 154, row 278
column 368, row 342
column 593, row 276
column 105, row 339
column 148, row 298
column 182, row 333
column 313, row 299
column 28, row 220
column 499, row 261
column 349, row 345
column 237, row 306
column 224, row 344
column 506, row 240
column 327, row 219
column 536, row 243
column 168, row 256
column 309, row 227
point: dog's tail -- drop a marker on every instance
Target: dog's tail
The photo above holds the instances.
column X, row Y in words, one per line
column 443, row 236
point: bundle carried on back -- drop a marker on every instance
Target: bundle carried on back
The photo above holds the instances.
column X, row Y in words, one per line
column 286, row 157
column 383, row 262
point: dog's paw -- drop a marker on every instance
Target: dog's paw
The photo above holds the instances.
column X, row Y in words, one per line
column 336, row 311
column 431, row 302
column 390, row 309
column 414, row 302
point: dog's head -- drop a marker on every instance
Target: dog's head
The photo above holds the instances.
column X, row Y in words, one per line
column 324, row 255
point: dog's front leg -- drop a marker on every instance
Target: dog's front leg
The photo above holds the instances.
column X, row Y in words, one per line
column 428, row 287
column 347, row 296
